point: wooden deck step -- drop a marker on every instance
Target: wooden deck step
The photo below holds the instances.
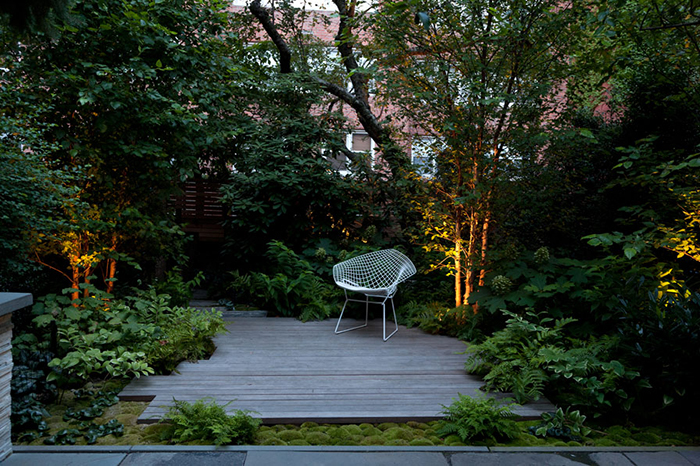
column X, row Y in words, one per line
column 286, row 371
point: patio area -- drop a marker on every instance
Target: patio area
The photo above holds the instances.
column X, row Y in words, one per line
column 287, row 371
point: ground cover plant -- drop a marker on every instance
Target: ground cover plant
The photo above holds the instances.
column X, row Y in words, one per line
column 72, row 343
column 61, row 429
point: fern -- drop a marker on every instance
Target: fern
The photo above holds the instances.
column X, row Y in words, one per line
column 206, row 421
column 533, row 354
column 529, row 385
column 511, row 361
column 478, row 419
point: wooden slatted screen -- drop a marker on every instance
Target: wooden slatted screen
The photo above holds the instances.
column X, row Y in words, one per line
column 200, row 210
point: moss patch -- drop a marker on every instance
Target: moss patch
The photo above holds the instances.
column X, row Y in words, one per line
column 399, row 433
column 317, row 438
column 299, row 443
column 274, row 441
column 288, row 435
column 374, row 440
column 386, row 433
column 352, row 429
column 370, row 431
column 421, row 442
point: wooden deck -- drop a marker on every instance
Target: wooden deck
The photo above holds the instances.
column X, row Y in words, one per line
column 287, row 371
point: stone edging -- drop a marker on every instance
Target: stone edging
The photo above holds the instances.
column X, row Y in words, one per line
column 332, row 449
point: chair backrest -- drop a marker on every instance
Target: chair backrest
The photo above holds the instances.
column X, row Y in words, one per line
column 374, row 270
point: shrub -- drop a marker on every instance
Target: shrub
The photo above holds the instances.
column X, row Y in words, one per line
column 97, row 335
column 175, row 286
column 29, row 372
column 186, row 336
column 631, row 310
column 205, row 420
column 293, row 290
column 533, row 353
column 660, row 336
column 436, row 318
column 478, row 419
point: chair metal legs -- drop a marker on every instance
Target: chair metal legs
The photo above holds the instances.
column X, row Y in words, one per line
column 341, row 313
column 396, row 323
column 367, row 303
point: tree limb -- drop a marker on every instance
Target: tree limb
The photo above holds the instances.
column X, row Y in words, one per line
column 266, row 21
column 671, row 26
column 345, row 44
column 358, row 100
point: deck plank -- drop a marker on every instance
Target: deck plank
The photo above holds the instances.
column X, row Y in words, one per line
column 287, row 371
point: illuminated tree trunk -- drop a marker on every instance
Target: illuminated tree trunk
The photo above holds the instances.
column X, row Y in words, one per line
column 75, row 282
column 458, row 265
column 111, row 267
column 86, row 291
column 471, row 253
column 484, row 247
column 111, row 273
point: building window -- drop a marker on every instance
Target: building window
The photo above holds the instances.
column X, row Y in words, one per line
column 423, row 155
column 357, row 141
column 339, row 162
column 361, row 143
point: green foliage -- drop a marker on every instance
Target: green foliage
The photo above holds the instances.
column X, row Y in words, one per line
column 558, row 286
column 667, row 218
column 205, row 420
column 28, row 423
column 35, row 15
column 436, row 318
column 28, row 188
column 660, row 336
column 478, row 419
column 84, row 363
column 588, row 290
column 284, row 186
column 533, row 353
column 294, row 290
column 325, row 253
column 93, row 337
column 121, row 73
column 567, row 425
column 98, row 335
column 63, row 437
column 29, row 373
column 92, row 431
column 179, row 290
column 187, row 336
column 28, row 415
column 89, row 430
column 99, row 402
column 557, row 202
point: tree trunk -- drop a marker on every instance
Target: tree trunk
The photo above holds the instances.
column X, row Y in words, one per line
column 75, row 280
column 458, row 265
column 471, row 253
column 484, row 241
column 111, row 267
column 86, row 290
column 111, row 273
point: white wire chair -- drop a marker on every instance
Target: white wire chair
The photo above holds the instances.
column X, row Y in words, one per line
column 375, row 274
